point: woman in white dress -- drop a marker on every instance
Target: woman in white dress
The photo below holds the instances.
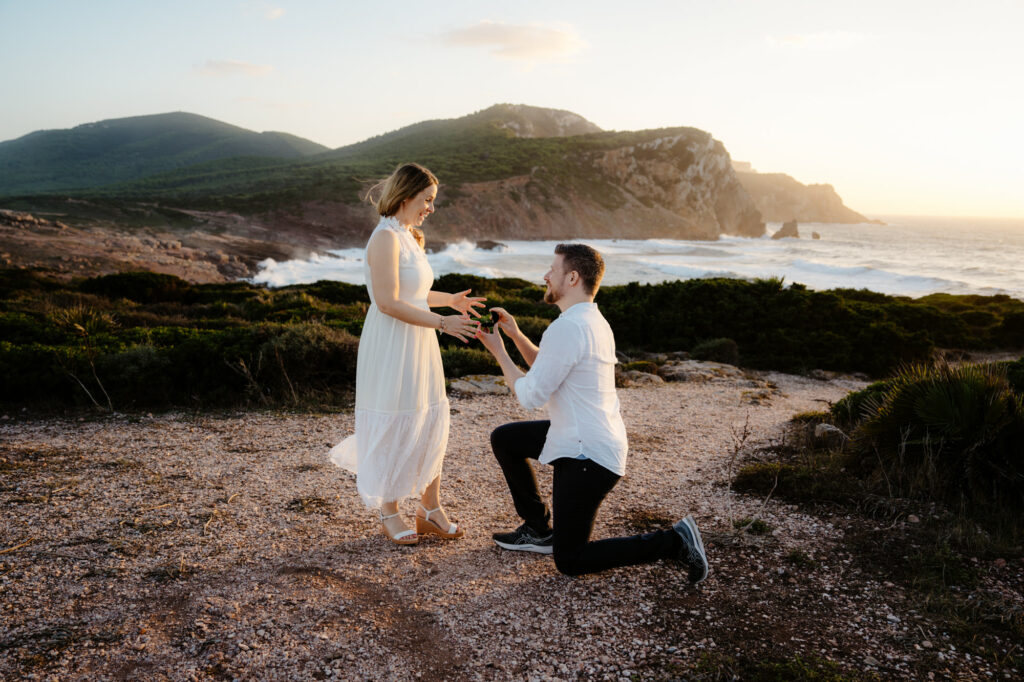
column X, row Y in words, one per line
column 401, row 406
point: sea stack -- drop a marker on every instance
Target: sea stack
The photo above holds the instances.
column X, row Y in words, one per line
column 789, row 229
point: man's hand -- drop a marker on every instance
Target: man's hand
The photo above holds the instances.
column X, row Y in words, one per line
column 506, row 322
column 492, row 342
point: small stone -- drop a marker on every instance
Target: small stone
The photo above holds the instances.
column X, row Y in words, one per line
column 926, row 644
column 913, row 518
column 871, row 660
column 999, row 563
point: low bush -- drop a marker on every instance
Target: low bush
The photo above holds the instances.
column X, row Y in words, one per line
column 717, row 350
column 460, row 362
column 134, row 324
column 950, row 433
column 641, row 366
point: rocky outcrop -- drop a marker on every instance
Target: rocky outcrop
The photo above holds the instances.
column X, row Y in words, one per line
column 527, row 121
column 789, row 231
column 679, row 186
column 491, row 245
column 780, row 198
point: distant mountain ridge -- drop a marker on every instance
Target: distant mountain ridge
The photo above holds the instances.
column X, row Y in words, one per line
column 125, row 149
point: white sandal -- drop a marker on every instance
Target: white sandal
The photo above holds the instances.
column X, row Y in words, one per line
column 405, row 537
column 425, row 525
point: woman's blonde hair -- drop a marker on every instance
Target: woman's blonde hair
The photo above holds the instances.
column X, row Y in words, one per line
column 407, row 181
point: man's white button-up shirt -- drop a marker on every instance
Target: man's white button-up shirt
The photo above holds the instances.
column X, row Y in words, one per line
column 574, row 375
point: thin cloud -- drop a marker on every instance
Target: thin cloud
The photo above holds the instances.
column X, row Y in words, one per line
column 529, row 43
column 233, row 67
column 823, row 40
column 278, row 104
column 275, row 13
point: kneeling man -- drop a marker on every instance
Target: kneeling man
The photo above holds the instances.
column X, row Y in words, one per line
column 573, row 373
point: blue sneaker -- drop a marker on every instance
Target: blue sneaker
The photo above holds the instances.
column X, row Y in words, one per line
column 692, row 552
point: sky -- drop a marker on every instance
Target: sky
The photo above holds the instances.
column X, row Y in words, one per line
column 905, row 106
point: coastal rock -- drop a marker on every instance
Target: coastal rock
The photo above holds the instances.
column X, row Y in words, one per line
column 679, row 185
column 480, row 384
column 635, row 378
column 779, row 197
column 698, row 371
column 789, row 230
column 490, row 245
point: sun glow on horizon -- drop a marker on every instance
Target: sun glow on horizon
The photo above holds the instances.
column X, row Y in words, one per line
column 910, row 108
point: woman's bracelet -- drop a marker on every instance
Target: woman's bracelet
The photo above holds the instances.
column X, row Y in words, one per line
column 440, row 325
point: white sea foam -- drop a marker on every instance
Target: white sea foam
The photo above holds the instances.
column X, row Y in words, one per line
column 909, row 256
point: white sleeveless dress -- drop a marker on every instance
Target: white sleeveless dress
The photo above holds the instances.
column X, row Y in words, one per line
column 402, row 412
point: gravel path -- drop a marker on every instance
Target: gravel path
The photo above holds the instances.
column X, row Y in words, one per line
column 218, row 547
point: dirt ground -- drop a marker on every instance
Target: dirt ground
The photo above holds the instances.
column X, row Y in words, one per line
column 226, row 546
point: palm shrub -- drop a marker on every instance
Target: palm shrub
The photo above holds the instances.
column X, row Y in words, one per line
column 952, row 433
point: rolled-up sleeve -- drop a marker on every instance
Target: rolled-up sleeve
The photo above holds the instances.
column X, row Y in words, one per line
column 559, row 351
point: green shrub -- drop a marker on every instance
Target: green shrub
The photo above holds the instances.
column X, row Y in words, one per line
column 462, row 361
column 815, row 417
column 641, row 366
column 854, row 407
column 950, row 433
column 1010, row 332
column 717, row 350
column 142, row 287
column 796, row 483
column 1015, row 375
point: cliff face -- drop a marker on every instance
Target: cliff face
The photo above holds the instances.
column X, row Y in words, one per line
column 780, row 198
column 678, row 186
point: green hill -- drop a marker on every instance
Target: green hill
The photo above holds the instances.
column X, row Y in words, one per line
column 506, row 171
column 125, row 149
column 480, row 147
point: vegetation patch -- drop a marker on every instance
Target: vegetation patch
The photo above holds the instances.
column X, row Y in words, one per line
column 142, row 340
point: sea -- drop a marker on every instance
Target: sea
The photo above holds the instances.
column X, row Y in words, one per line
column 907, row 256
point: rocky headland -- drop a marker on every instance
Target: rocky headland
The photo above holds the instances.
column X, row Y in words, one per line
column 507, row 172
column 780, row 198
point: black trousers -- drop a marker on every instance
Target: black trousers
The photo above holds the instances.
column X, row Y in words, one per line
column 579, row 487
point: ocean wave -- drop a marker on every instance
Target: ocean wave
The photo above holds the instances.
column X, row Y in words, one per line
column 910, row 261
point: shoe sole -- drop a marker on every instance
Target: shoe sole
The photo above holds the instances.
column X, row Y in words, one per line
column 538, row 549
column 692, row 525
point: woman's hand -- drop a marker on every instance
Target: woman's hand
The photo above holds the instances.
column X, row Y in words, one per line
column 465, row 303
column 459, row 326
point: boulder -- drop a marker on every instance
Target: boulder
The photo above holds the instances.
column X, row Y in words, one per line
column 633, row 378
column 829, row 435
column 699, row 371
column 480, row 384
column 789, row 230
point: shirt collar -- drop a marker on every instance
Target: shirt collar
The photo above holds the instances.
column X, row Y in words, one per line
column 579, row 308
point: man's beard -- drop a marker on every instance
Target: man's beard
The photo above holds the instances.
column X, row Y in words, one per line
column 552, row 295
